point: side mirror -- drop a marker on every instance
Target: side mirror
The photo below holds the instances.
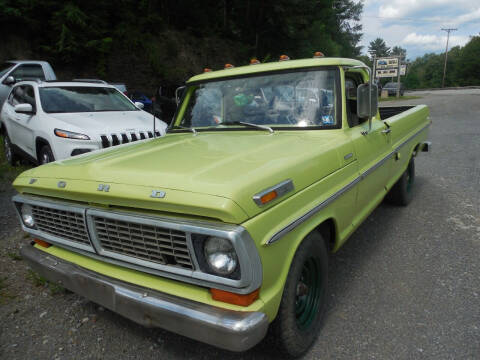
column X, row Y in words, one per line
column 10, row 80
column 363, row 97
column 179, row 93
column 24, row 109
column 139, row 104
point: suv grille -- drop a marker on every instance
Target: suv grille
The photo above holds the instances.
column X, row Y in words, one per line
column 68, row 225
column 145, row 242
column 123, row 138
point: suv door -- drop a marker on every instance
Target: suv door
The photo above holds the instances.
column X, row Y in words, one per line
column 20, row 125
column 371, row 149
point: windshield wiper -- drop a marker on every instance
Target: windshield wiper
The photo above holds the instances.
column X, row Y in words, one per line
column 262, row 127
column 185, row 128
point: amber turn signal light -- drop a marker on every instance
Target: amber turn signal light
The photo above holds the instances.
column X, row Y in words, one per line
column 236, row 299
column 268, row 197
column 42, row 243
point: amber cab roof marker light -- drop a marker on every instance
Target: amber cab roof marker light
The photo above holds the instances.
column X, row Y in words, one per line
column 254, row 61
column 318, row 54
column 229, row 66
column 235, row 299
column 284, row 58
column 207, row 70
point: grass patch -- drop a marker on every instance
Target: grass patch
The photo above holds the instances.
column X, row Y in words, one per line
column 9, row 173
column 4, row 295
column 394, row 98
column 14, row 256
column 38, row 281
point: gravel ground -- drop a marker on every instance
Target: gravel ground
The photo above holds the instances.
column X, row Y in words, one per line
column 405, row 286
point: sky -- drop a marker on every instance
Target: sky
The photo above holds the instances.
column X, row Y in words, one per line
column 416, row 24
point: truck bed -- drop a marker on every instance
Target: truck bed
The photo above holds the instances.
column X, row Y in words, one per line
column 389, row 111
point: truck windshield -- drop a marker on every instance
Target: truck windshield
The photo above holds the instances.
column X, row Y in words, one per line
column 295, row 99
column 74, row 99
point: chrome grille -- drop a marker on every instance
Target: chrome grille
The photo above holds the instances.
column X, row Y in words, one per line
column 65, row 224
column 146, row 242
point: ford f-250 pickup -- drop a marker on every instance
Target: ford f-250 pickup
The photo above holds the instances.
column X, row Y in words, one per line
column 222, row 228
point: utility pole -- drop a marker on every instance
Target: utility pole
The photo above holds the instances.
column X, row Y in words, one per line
column 398, row 75
column 446, row 55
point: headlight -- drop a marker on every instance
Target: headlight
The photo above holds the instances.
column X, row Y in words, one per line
column 220, row 255
column 27, row 215
column 70, row 135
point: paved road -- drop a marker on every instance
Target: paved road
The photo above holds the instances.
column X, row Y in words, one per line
column 405, row 286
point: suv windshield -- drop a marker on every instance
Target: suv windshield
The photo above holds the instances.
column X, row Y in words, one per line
column 294, row 99
column 74, row 99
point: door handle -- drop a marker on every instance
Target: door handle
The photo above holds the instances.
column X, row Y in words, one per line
column 386, row 131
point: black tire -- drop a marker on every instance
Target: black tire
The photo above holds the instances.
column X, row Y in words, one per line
column 10, row 155
column 45, row 155
column 301, row 310
column 401, row 193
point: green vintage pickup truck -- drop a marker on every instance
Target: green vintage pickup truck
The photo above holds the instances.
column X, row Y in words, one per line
column 221, row 229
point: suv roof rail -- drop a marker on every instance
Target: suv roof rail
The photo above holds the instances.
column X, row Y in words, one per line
column 95, row 81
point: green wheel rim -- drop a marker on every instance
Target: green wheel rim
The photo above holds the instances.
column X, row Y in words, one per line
column 309, row 289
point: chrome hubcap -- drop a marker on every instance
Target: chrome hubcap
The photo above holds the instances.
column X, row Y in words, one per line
column 45, row 158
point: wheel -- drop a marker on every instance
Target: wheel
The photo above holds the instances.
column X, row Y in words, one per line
column 10, row 155
column 45, row 155
column 304, row 298
column 401, row 192
column 401, row 93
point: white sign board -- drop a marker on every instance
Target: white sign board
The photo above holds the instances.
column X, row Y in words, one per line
column 386, row 73
column 403, row 69
column 387, row 63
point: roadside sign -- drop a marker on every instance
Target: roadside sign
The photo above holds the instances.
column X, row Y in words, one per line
column 387, row 63
column 403, row 69
column 386, row 73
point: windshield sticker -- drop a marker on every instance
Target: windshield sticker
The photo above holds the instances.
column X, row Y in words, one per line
column 327, row 120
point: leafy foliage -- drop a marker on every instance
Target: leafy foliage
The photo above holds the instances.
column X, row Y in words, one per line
column 463, row 67
column 88, row 34
column 380, row 47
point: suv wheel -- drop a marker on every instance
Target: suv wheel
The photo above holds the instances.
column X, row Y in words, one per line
column 10, row 155
column 45, row 155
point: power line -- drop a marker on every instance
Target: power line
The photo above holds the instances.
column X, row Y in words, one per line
column 446, row 54
column 409, row 19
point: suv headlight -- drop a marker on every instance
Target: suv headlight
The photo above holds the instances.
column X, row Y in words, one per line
column 27, row 215
column 70, row 135
column 220, row 255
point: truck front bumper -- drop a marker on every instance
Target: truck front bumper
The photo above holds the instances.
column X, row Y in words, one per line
column 227, row 329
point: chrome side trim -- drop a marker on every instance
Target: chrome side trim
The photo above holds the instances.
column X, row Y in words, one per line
column 281, row 189
column 228, row 329
column 339, row 193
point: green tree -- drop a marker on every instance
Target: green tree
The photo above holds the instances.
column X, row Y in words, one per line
column 399, row 51
column 380, row 47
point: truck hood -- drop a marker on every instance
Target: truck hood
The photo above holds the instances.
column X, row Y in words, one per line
column 228, row 166
column 107, row 122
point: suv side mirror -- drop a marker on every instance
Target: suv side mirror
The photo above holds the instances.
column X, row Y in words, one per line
column 363, row 101
column 24, row 109
column 139, row 105
column 10, row 80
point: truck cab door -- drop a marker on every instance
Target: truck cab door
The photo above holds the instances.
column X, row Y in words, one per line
column 372, row 152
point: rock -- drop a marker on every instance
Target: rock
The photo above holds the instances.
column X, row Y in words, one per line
column 43, row 314
column 84, row 320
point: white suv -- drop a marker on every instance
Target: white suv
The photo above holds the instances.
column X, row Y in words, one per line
column 48, row 121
